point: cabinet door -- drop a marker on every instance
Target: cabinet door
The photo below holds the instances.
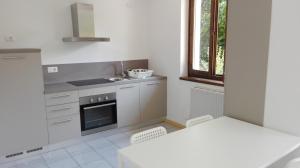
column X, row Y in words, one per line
column 23, row 124
column 64, row 128
column 128, row 105
column 153, row 100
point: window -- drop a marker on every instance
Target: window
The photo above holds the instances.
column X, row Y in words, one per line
column 207, row 36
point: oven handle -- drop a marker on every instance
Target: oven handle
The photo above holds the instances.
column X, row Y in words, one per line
column 103, row 105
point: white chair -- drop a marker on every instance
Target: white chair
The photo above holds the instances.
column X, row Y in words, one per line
column 148, row 135
column 295, row 163
column 198, row 120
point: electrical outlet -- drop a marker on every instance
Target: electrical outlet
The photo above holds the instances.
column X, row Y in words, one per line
column 9, row 38
column 52, row 69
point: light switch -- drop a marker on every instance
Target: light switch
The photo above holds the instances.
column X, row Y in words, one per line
column 52, row 69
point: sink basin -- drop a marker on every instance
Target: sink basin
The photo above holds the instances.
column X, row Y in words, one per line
column 116, row 79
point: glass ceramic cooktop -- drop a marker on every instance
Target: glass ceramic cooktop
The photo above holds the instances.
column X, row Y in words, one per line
column 90, row 82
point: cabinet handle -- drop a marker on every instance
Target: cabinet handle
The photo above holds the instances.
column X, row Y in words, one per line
column 58, row 110
column 153, row 84
column 59, row 97
column 62, row 122
column 129, row 87
column 12, row 58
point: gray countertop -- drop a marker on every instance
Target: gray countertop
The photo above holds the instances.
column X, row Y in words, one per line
column 64, row 87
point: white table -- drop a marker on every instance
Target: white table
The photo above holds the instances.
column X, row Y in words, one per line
column 220, row 143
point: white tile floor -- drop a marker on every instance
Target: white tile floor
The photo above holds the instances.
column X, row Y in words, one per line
column 92, row 151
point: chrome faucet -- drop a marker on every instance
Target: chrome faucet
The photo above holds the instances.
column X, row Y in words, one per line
column 122, row 66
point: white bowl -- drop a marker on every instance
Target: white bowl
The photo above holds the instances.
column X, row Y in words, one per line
column 140, row 73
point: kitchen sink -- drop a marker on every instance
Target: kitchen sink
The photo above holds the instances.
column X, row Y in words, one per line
column 116, row 79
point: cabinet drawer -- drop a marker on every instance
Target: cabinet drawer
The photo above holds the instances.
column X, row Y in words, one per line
column 64, row 128
column 61, row 98
column 62, row 110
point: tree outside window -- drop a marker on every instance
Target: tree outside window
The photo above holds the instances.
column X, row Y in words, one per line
column 207, row 38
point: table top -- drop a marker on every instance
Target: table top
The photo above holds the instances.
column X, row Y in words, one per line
column 219, row 143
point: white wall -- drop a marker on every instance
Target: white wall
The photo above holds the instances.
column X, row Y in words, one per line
column 246, row 59
column 43, row 24
column 282, row 109
column 154, row 29
column 168, row 57
column 168, row 41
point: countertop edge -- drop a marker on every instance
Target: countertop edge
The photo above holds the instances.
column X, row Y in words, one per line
column 20, row 50
column 65, row 87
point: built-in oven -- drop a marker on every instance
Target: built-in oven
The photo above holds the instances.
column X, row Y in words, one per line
column 98, row 113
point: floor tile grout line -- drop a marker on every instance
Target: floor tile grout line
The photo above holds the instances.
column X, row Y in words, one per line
column 63, row 149
column 92, row 148
column 107, row 161
column 72, row 157
column 45, row 161
column 117, row 146
column 85, row 141
column 14, row 162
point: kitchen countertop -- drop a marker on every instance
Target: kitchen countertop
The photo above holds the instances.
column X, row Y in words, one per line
column 64, row 87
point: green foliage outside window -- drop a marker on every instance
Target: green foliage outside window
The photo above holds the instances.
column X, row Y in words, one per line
column 205, row 35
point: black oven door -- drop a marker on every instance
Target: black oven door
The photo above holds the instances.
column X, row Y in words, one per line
column 98, row 115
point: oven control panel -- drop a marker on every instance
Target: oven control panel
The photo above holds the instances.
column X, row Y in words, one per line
column 97, row 98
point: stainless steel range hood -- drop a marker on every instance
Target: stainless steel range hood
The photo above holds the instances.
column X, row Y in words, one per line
column 83, row 24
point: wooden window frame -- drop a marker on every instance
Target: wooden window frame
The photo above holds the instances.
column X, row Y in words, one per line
column 211, row 74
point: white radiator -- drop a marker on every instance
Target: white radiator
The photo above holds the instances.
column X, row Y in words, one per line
column 206, row 102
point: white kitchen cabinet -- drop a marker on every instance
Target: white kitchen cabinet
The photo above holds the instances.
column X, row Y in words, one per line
column 63, row 116
column 64, row 128
column 61, row 98
column 128, row 104
column 62, row 110
column 153, row 100
column 23, row 124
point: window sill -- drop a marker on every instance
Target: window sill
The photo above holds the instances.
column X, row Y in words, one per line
column 202, row 80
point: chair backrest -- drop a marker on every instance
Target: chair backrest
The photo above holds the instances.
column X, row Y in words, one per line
column 148, row 135
column 295, row 163
column 198, row 120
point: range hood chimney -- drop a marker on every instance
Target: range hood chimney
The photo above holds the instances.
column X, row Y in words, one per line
column 83, row 24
